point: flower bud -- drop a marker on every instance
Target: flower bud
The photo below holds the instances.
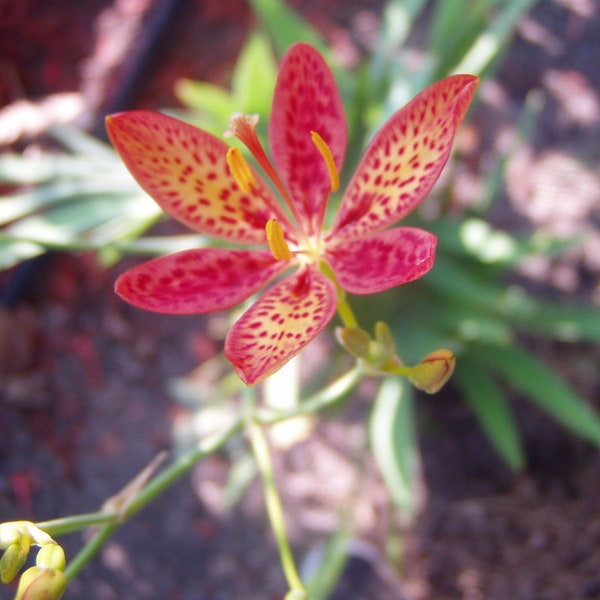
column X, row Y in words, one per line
column 355, row 340
column 384, row 337
column 433, row 371
column 13, row 559
column 51, row 556
column 38, row 583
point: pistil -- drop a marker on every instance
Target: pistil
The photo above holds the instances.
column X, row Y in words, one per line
column 243, row 127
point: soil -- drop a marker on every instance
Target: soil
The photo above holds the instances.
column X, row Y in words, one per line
column 91, row 388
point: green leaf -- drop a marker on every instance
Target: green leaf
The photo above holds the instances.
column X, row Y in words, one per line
column 544, row 387
column 399, row 17
column 286, row 26
column 253, row 79
column 393, row 440
column 212, row 104
column 322, row 581
column 493, row 40
column 490, row 406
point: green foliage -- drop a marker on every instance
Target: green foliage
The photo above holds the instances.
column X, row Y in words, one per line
column 253, row 79
column 394, row 443
column 77, row 200
column 84, row 199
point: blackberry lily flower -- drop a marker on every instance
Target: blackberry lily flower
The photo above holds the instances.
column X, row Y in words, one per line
column 197, row 179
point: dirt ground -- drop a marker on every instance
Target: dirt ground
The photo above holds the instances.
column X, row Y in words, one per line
column 87, row 390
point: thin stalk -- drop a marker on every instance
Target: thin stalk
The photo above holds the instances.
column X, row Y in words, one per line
column 110, row 521
column 318, row 401
column 275, row 510
column 90, row 550
column 66, row 525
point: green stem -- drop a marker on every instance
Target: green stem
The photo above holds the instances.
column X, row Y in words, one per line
column 275, row 510
column 90, row 550
column 344, row 310
column 66, row 525
column 110, row 521
column 322, row 399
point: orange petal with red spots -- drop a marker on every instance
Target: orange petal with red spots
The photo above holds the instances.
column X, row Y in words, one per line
column 185, row 171
column 306, row 99
column 197, row 281
column 280, row 324
column 404, row 159
column 383, row 260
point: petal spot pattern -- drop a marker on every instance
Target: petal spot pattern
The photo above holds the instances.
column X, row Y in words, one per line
column 197, row 281
column 401, row 254
column 185, row 171
column 281, row 322
column 404, row 159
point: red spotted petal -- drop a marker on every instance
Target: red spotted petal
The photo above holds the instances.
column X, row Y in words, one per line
column 306, row 99
column 280, row 324
column 404, row 159
column 185, row 170
column 383, row 260
column 197, row 281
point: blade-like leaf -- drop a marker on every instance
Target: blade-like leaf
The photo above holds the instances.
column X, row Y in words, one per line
column 254, row 76
column 286, row 27
column 490, row 406
column 393, row 440
column 544, row 387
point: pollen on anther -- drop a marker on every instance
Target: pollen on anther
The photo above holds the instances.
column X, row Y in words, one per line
column 327, row 155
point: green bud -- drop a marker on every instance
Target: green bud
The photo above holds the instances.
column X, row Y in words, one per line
column 384, row 337
column 433, row 371
column 38, row 583
column 13, row 559
column 51, row 556
column 355, row 340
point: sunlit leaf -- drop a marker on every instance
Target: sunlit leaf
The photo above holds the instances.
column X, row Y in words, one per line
column 393, row 441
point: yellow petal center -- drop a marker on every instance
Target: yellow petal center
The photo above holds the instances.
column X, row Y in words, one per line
column 325, row 151
column 240, row 169
column 277, row 243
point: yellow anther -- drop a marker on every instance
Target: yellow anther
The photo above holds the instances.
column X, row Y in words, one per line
column 240, row 169
column 325, row 151
column 277, row 243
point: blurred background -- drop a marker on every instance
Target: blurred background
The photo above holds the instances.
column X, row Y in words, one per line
column 501, row 498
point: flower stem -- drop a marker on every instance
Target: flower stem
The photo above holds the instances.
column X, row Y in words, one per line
column 110, row 520
column 345, row 311
column 322, row 399
column 275, row 510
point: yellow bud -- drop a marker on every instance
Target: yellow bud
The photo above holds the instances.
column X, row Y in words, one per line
column 38, row 583
column 13, row 559
column 51, row 556
column 433, row 371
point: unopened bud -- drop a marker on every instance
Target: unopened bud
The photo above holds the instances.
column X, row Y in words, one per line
column 433, row 371
column 38, row 583
column 13, row 559
column 355, row 340
column 51, row 556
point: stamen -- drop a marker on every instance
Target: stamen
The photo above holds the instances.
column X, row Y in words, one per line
column 277, row 243
column 325, row 151
column 243, row 127
column 240, row 169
